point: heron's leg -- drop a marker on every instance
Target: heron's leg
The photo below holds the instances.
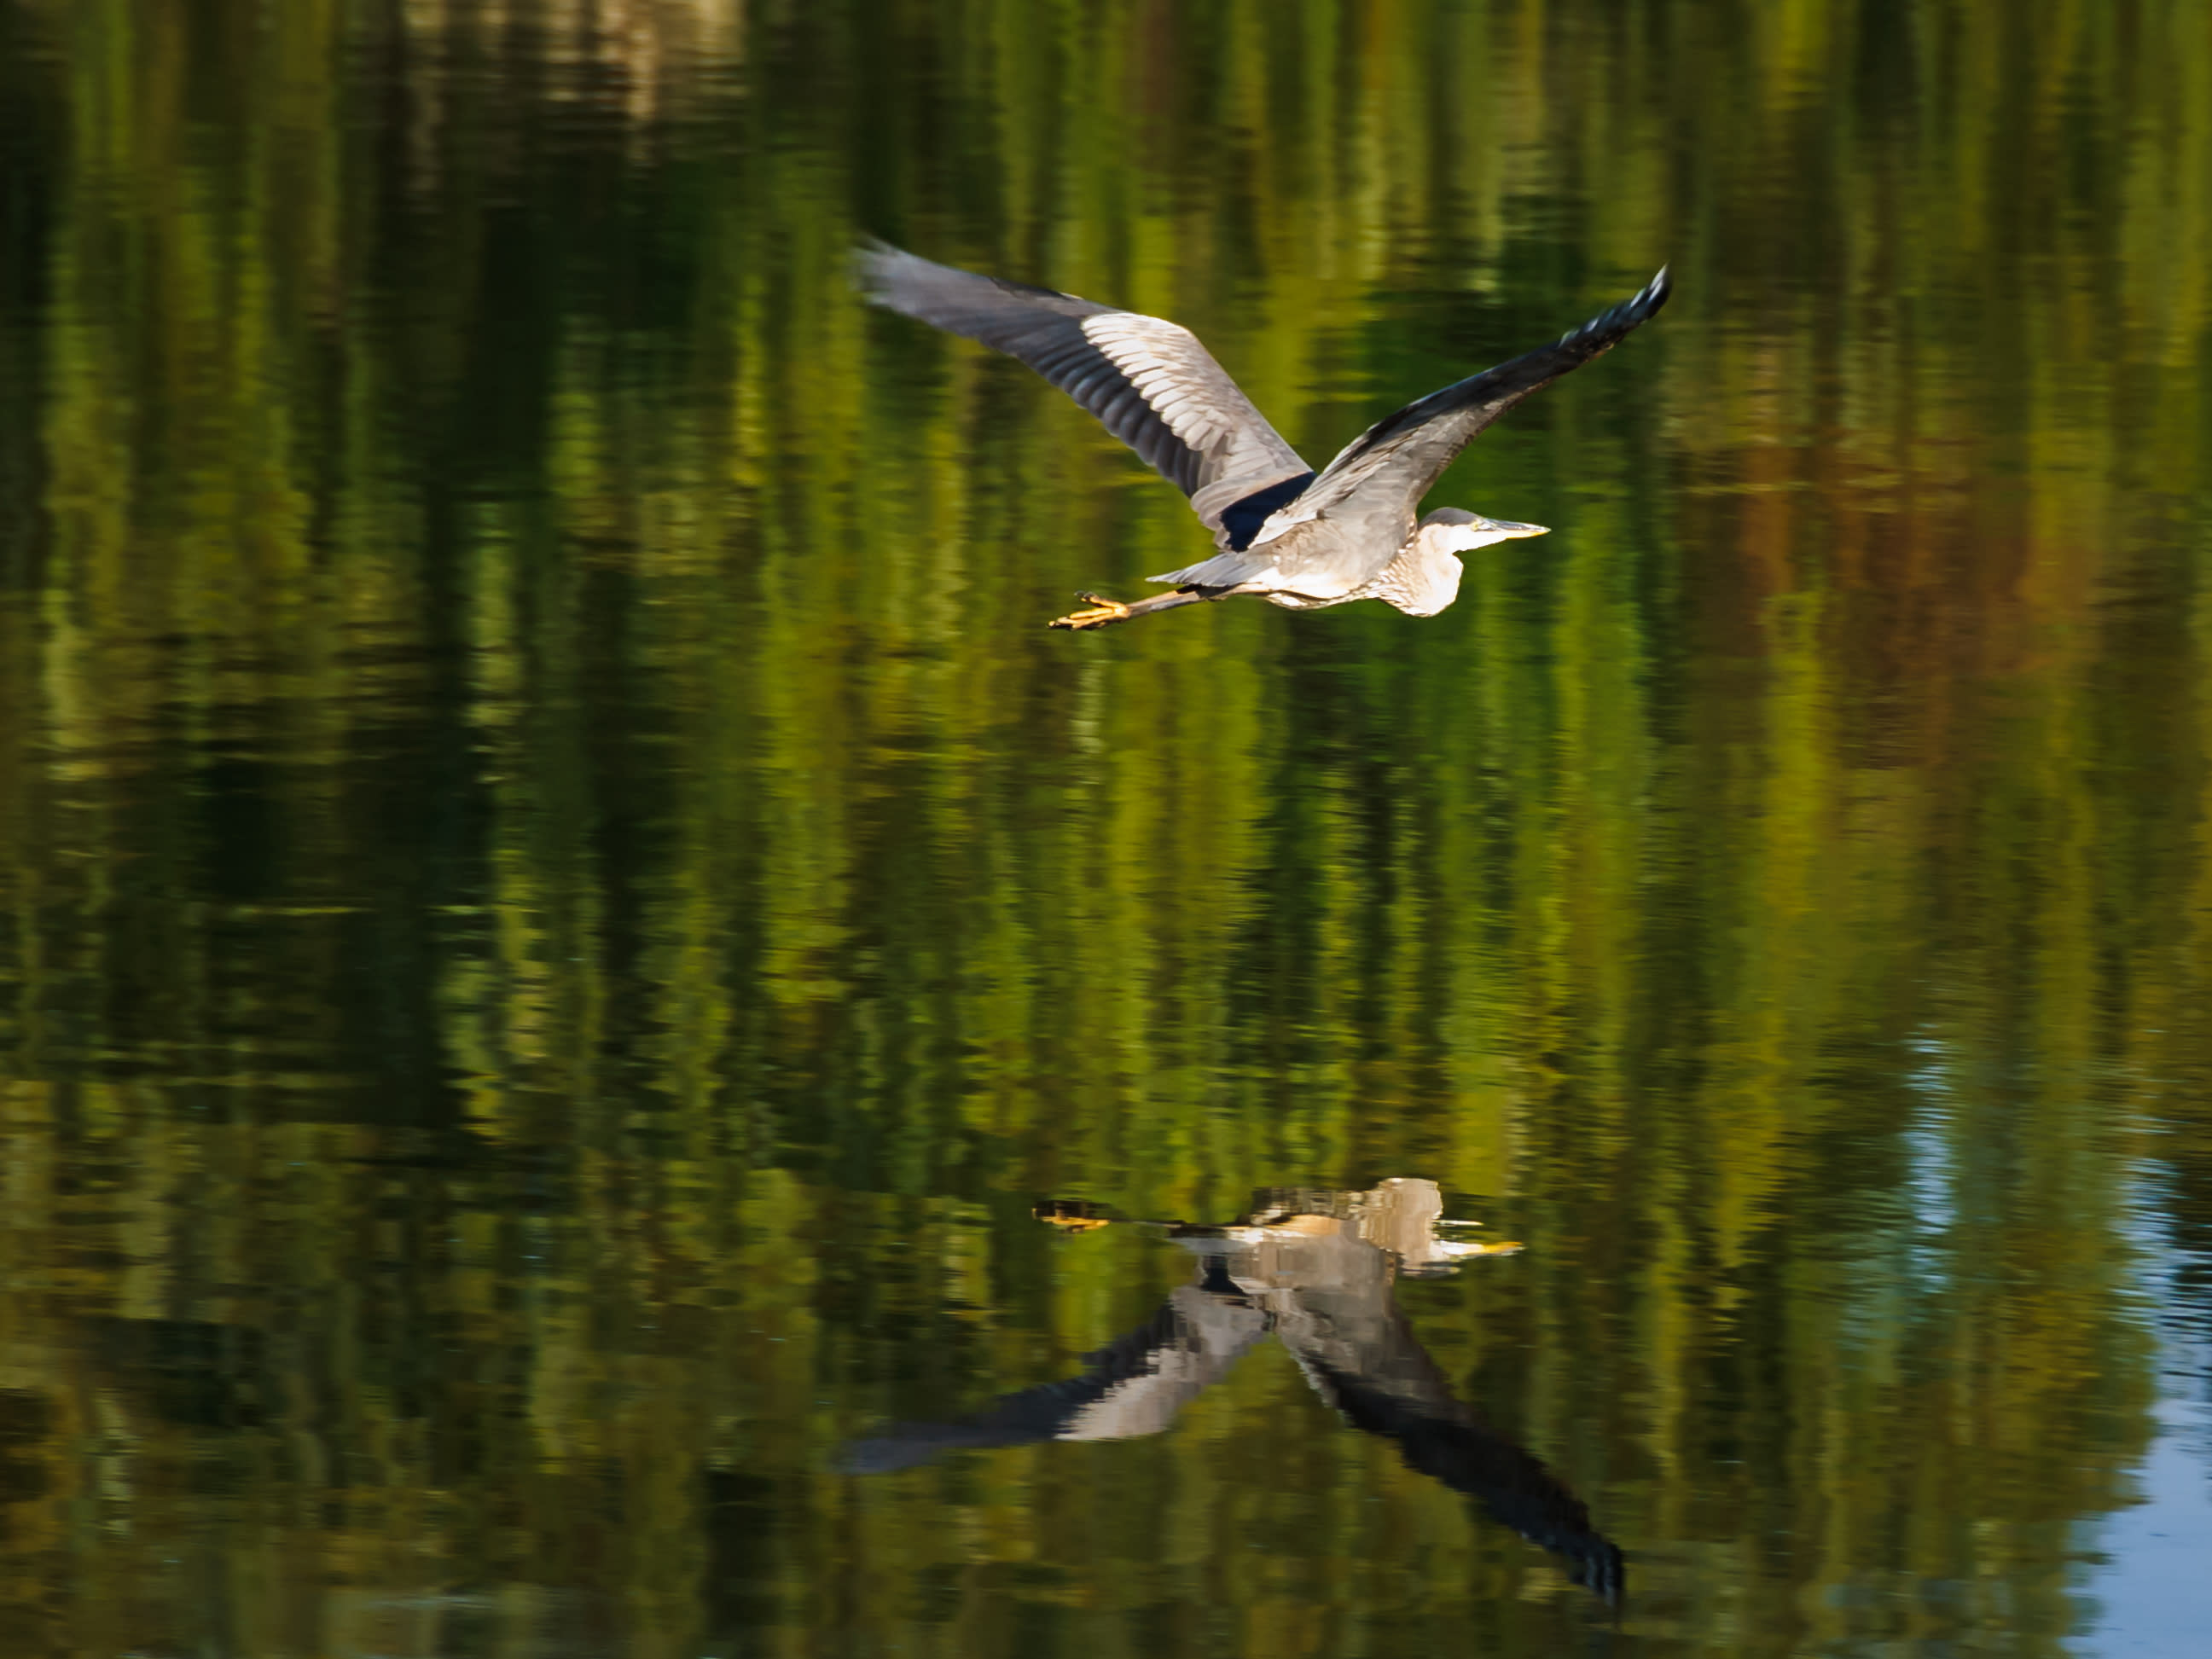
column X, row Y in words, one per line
column 1105, row 612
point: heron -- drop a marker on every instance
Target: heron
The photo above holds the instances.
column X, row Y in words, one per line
column 1295, row 538
column 1317, row 1270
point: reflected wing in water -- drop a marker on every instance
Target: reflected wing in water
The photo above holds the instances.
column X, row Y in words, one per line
column 1390, row 1387
column 1135, row 1386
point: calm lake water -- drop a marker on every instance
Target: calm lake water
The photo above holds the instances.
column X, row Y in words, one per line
column 563, row 918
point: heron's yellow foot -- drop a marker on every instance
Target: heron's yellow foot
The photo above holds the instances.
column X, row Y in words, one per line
column 1103, row 611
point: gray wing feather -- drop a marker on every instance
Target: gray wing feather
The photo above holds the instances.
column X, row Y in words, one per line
column 1149, row 381
column 1402, row 455
column 1133, row 1386
column 1388, row 1385
column 1342, row 530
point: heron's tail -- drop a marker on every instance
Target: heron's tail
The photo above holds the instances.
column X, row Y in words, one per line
column 1222, row 571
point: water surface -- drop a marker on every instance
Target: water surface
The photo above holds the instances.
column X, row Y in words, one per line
column 560, row 911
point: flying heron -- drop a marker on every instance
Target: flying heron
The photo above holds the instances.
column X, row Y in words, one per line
column 1294, row 537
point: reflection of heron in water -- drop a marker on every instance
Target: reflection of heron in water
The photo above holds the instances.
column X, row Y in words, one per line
column 1295, row 538
column 1315, row 1269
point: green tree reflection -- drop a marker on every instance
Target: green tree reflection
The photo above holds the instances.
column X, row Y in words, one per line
column 558, row 905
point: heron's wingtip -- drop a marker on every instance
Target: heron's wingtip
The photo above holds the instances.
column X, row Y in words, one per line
column 1604, row 330
column 871, row 254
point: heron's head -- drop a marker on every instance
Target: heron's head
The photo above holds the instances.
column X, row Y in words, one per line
column 1455, row 530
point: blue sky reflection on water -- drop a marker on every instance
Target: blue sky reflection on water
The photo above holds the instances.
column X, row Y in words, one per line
column 2149, row 1588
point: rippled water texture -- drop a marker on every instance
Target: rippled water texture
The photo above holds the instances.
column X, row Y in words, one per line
column 578, row 973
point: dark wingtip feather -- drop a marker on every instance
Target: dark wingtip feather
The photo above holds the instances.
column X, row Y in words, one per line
column 1629, row 313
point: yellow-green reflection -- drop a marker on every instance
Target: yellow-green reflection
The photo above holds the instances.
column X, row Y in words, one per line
column 560, row 908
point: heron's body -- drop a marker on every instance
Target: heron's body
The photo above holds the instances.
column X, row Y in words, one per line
column 1421, row 579
column 1297, row 538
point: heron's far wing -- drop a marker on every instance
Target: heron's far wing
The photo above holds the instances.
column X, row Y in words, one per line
column 1135, row 1386
column 1402, row 455
column 1445, row 1440
column 1149, row 381
column 1362, row 1356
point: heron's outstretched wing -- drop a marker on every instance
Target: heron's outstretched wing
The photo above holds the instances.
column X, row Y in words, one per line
column 1341, row 531
column 1394, row 462
column 1444, row 1440
column 1135, row 1386
column 1355, row 1346
column 1149, row 381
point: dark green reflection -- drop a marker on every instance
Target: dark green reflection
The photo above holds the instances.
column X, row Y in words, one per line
column 557, row 909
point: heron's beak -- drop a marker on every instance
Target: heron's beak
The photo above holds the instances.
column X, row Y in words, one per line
column 1514, row 532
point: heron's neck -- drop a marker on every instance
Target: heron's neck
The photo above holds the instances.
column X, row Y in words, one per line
column 1424, row 578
